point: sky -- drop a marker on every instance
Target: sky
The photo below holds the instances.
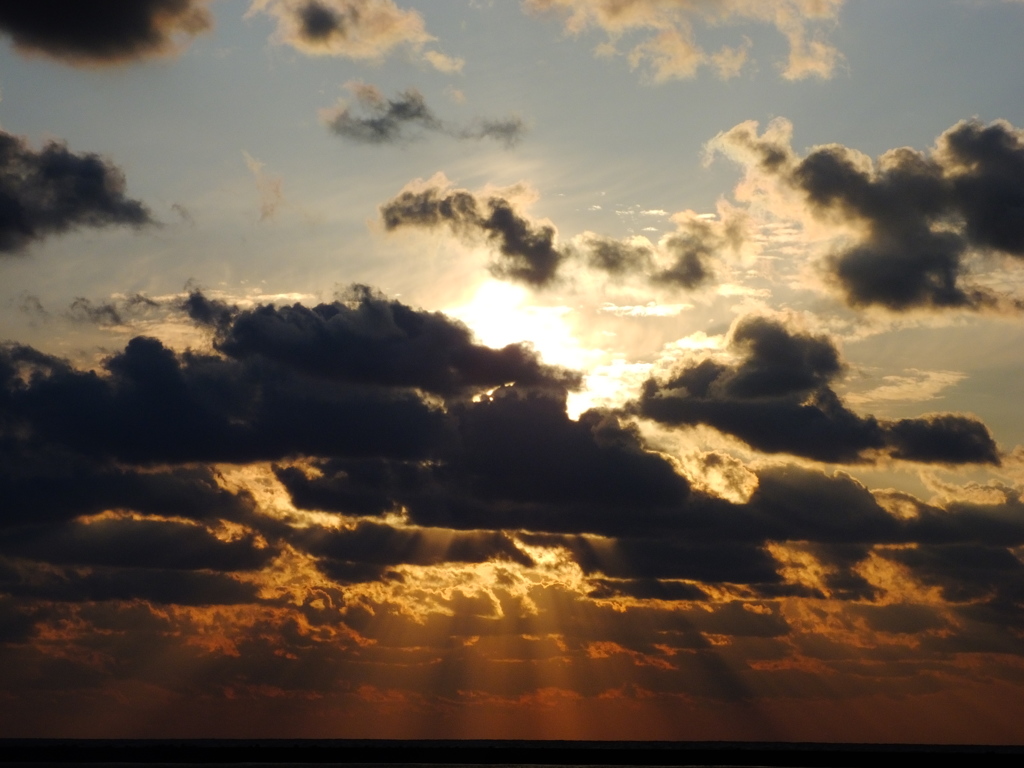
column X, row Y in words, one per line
column 544, row 369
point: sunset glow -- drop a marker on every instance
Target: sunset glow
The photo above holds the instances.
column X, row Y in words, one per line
column 552, row 369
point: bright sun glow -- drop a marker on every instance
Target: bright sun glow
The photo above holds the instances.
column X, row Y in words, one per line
column 499, row 314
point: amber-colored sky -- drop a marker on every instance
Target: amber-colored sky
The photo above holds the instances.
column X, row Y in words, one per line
column 546, row 369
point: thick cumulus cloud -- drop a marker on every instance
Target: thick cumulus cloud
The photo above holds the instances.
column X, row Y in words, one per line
column 354, row 29
column 368, row 339
column 514, row 460
column 528, row 251
column 107, row 32
column 153, row 405
column 55, row 190
column 778, row 398
column 340, row 379
column 915, row 216
column 672, row 51
column 407, row 116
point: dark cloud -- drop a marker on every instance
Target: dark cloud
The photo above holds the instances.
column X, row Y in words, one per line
column 368, row 339
column 366, row 487
column 684, row 259
column 904, row 261
column 340, row 379
column 942, row 438
column 514, row 461
column 778, row 399
column 46, row 485
column 674, row 557
column 789, row 502
column 154, row 585
column 690, row 267
column 793, row 504
column 646, row 589
column 152, row 405
column 775, row 404
column 206, row 311
column 319, row 22
column 527, row 251
column 921, row 214
column 54, row 190
column 342, row 551
column 779, row 362
column 16, row 626
column 131, row 543
column 520, row 446
column 986, row 166
column 966, row 572
column 995, row 525
column 106, row 32
column 397, row 120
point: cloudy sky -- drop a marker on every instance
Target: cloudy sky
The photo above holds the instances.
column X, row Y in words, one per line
column 634, row 369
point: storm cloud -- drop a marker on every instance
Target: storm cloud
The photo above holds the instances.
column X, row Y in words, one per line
column 97, row 33
column 55, row 190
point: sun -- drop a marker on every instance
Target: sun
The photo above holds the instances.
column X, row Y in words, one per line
column 500, row 313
